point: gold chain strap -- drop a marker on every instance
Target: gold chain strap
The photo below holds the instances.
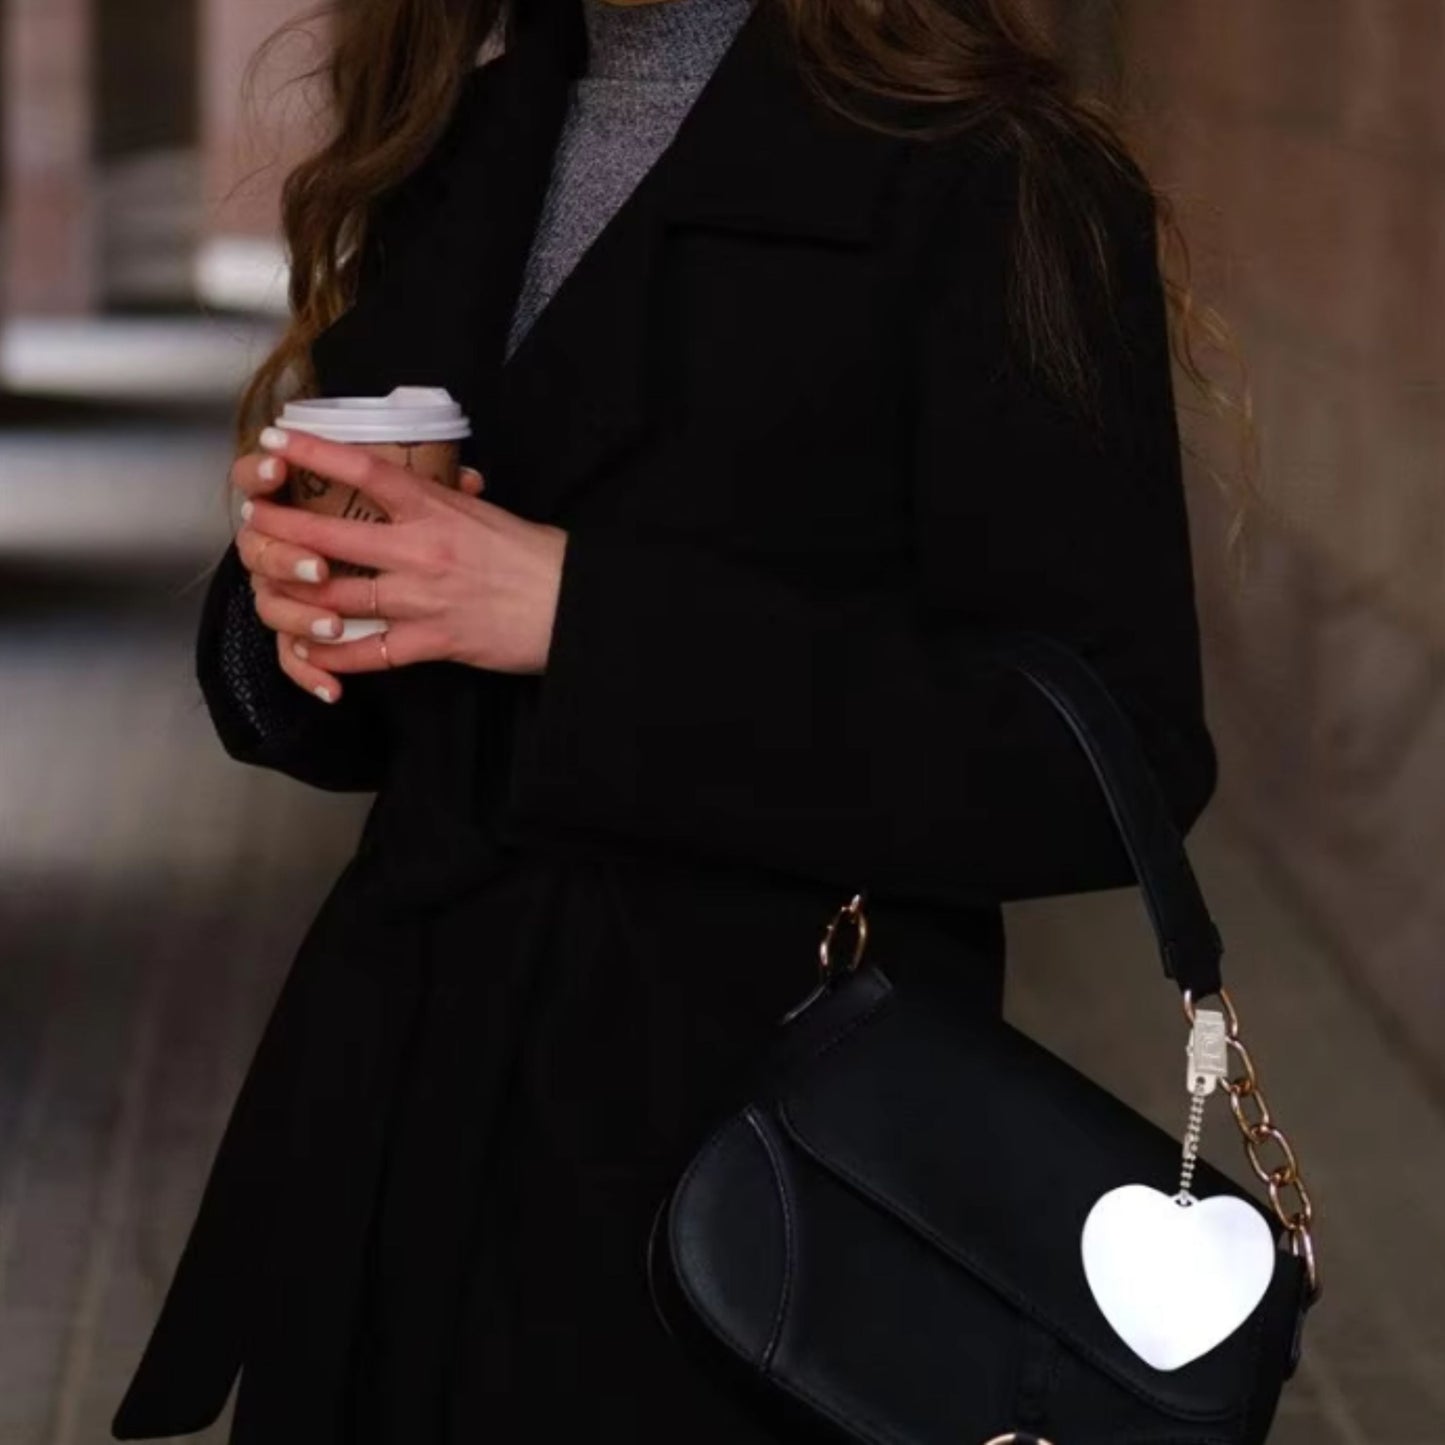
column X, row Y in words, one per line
column 1288, row 1196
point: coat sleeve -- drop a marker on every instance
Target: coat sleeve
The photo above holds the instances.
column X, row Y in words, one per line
column 693, row 702
column 261, row 716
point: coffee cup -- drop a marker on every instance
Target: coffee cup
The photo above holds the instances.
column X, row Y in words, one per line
column 420, row 428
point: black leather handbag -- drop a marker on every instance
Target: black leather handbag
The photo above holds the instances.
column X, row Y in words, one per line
column 884, row 1244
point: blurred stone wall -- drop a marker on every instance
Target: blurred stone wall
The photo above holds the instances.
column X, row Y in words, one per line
column 1304, row 141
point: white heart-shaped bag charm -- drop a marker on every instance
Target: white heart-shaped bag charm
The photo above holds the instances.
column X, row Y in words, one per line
column 1176, row 1276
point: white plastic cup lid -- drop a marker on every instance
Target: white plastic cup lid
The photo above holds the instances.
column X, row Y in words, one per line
column 409, row 414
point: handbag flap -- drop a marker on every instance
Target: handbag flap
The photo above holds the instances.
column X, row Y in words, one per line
column 994, row 1150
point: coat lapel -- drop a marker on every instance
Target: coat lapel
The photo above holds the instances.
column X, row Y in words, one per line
column 755, row 154
column 452, row 242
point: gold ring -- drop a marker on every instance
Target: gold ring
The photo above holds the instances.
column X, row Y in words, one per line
column 261, row 553
column 386, row 656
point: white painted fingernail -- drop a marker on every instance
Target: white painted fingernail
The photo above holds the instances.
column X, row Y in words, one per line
column 326, row 627
column 309, row 570
column 269, row 470
column 274, row 439
column 324, row 693
column 300, row 649
column 247, row 510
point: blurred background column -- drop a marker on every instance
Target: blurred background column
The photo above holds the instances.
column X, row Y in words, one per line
column 146, row 152
column 46, row 195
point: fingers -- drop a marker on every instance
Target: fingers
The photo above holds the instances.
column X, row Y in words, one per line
column 369, row 544
column 257, row 474
column 406, row 642
column 304, row 673
column 266, row 556
column 400, row 493
column 471, row 481
column 282, row 612
column 397, row 595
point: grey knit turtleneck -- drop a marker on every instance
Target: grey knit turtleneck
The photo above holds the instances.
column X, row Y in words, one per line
column 646, row 64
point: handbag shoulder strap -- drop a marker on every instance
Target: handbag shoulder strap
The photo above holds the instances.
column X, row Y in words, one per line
column 1189, row 943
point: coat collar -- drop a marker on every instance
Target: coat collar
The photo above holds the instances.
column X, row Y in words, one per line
column 755, row 154
column 756, row 151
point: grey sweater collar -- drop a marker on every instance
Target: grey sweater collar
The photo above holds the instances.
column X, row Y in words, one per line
column 660, row 40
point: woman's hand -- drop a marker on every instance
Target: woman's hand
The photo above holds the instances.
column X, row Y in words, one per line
column 459, row 579
column 273, row 564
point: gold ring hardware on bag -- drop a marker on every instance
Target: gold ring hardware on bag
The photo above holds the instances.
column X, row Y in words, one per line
column 828, row 970
column 851, row 913
column 1259, row 1131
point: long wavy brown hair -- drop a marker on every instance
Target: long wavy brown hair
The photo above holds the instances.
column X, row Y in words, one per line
column 395, row 69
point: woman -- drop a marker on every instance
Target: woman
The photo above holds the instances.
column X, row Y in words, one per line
column 867, row 349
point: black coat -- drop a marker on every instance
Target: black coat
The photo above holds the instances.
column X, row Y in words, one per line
column 774, row 408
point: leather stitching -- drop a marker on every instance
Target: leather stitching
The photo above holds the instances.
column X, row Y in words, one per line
column 703, row 1157
column 684, row 1282
column 785, row 1203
